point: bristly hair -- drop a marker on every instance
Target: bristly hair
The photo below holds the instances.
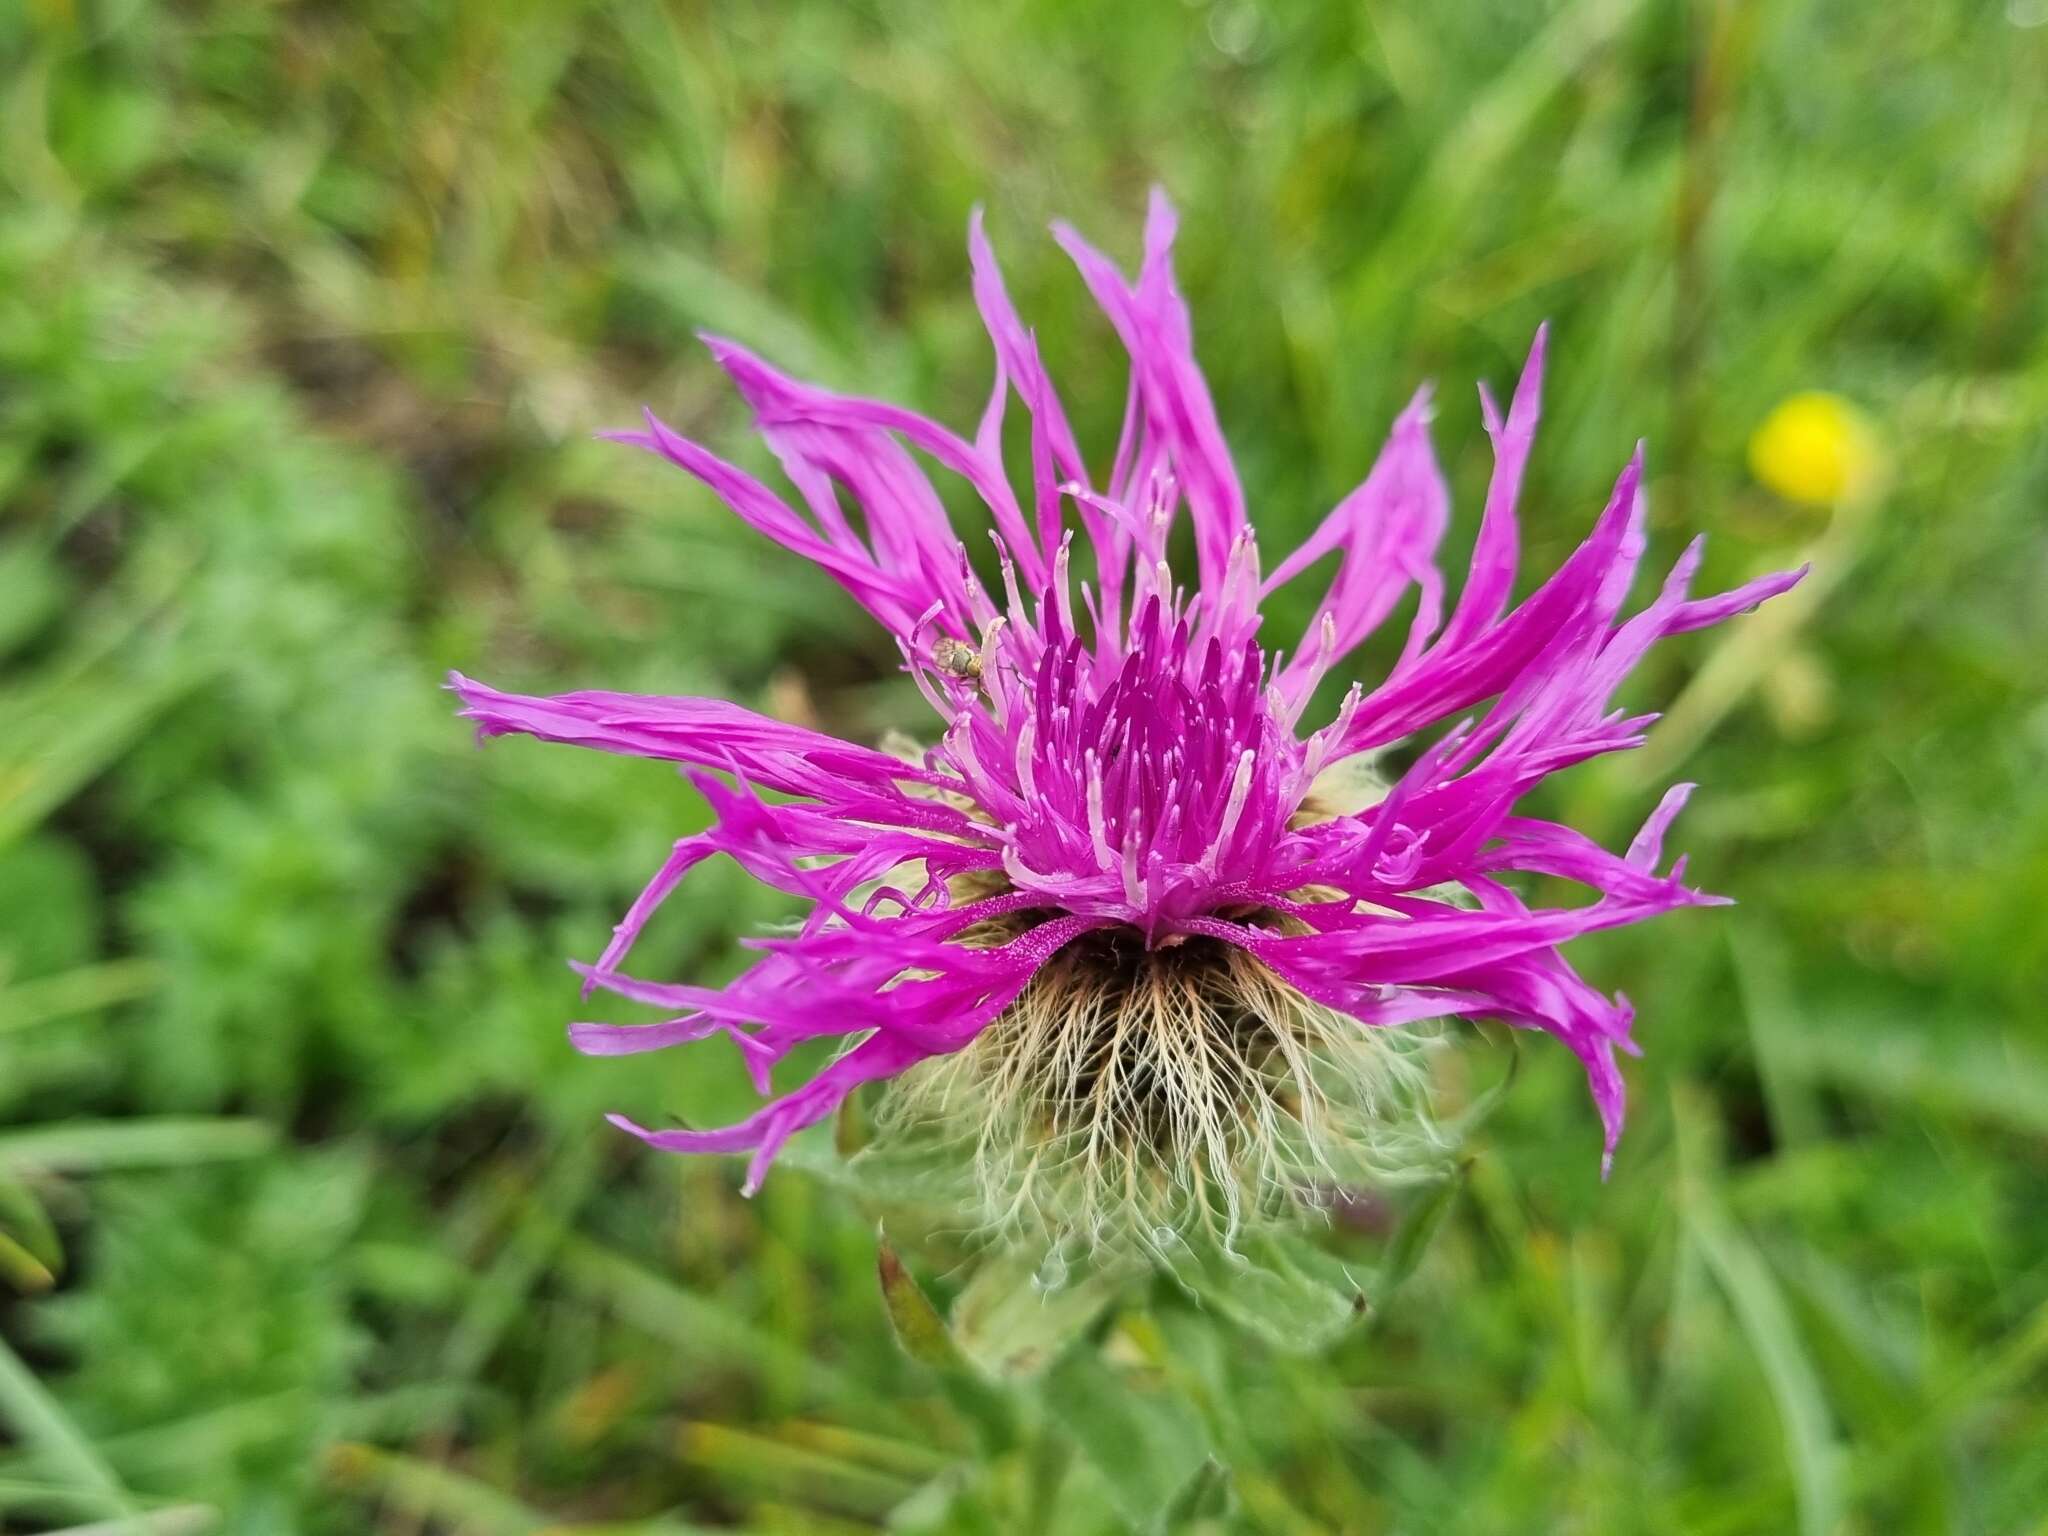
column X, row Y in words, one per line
column 1122, row 912
column 1131, row 1096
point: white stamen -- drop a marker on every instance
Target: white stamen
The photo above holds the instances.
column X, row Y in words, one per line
column 1098, row 824
column 1134, row 892
column 1233, row 808
column 1063, row 601
column 1326, row 653
column 1027, row 742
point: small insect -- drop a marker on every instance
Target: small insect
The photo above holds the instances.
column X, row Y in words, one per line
column 958, row 659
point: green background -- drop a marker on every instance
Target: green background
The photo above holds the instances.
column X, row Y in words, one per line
column 308, row 312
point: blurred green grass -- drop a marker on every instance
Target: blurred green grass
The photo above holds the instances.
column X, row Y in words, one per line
column 307, row 313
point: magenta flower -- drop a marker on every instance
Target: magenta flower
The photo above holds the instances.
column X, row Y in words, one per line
column 1131, row 866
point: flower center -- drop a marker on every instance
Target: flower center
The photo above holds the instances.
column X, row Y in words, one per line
column 1137, row 782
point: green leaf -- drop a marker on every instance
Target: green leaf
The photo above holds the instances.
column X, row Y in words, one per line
column 897, row 1171
column 937, row 1508
column 1418, row 1229
column 1480, row 1110
column 24, row 1222
column 852, row 1129
column 1205, row 1496
column 21, row 1268
column 928, row 1339
column 1145, row 1443
column 1012, row 1321
column 1280, row 1286
column 912, row 1317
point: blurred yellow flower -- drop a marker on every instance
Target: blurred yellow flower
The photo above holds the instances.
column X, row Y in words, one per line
column 1818, row 449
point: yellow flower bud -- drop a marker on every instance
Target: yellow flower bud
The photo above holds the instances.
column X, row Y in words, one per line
column 1817, row 449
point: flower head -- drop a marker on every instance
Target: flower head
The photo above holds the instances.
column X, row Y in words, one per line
column 1817, row 449
column 1135, row 907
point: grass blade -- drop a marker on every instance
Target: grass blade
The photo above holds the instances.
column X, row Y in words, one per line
column 84, row 990
column 431, row 1492
column 1957, row 1067
column 695, row 1323
column 177, row 1520
column 750, row 1461
column 40, row 1420
column 97, row 1146
column 1766, row 1321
